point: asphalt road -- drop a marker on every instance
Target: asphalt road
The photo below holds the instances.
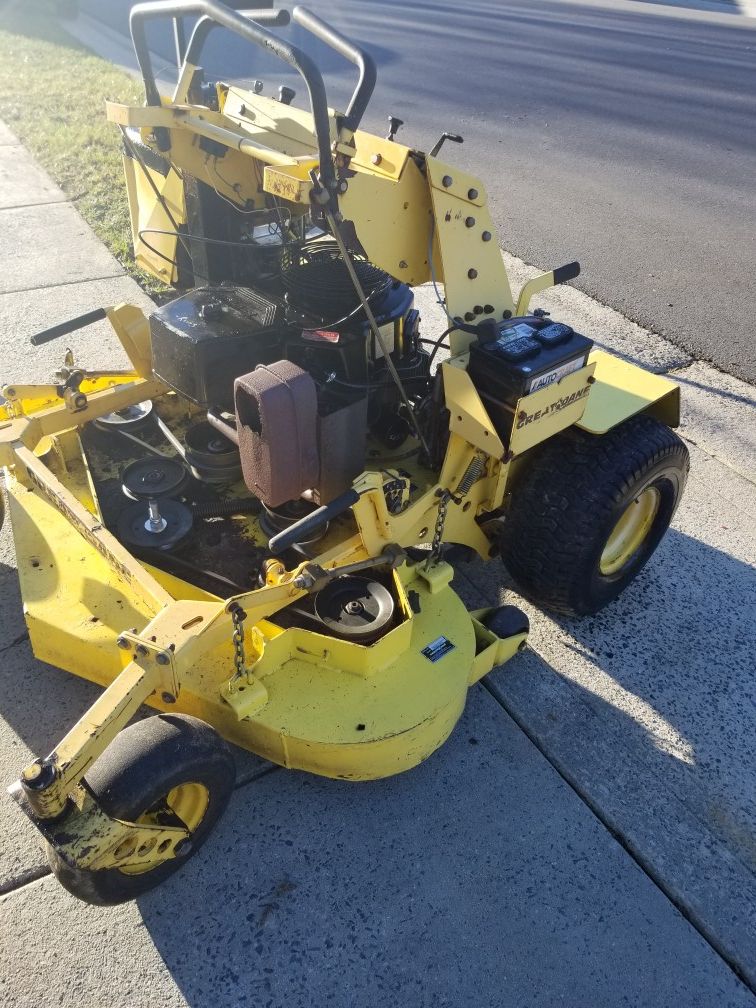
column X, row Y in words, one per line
column 621, row 134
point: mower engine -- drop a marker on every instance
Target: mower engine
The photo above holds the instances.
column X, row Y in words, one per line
column 290, row 369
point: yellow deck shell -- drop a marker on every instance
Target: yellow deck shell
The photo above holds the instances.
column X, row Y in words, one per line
column 330, row 707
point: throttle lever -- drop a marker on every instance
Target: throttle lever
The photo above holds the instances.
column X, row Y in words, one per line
column 454, row 137
column 394, row 125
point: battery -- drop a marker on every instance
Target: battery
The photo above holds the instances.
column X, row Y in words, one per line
column 524, row 354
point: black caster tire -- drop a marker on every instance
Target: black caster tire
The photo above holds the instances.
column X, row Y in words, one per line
column 507, row 621
column 171, row 759
column 588, row 511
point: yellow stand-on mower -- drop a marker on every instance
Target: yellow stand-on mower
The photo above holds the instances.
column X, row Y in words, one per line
column 247, row 530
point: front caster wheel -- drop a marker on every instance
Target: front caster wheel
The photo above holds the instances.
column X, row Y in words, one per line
column 588, row 512
column 170, row 764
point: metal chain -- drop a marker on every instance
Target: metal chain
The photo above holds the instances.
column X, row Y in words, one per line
column 238, row 616
column 472, row 474
column 444, row 496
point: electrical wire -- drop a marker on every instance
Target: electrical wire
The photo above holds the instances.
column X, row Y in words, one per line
column 165, row 258
column 437, row 344
column 430, row 342
column 255, row 210
column 131, row 147
column 441, row 301
column 201, row 238
column 225, row 182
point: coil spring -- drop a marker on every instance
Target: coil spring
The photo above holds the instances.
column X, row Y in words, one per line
column 472, row 474
column 226, row 508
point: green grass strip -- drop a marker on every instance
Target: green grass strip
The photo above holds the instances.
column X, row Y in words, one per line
column 52, row 95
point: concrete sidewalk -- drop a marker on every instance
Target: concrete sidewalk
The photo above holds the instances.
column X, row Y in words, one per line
column 598, row 783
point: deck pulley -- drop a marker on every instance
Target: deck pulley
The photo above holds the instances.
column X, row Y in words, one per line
column 165, row 521
column 355, row 608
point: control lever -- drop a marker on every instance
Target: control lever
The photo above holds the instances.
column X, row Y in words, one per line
column 313, row 577
column 394, row 125
column 311, row 522
column 454, row 137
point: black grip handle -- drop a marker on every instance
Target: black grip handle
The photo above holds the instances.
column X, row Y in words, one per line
column 312, row 522
column 568, row 272
column 346, row 48
column 64, row 328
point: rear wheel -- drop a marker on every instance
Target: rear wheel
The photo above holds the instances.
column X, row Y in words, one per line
column 168, row 768
column 590, row 510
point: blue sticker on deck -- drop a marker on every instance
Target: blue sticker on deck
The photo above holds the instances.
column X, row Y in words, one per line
column 437, row 648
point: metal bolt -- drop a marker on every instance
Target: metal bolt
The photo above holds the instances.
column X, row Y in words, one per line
column 486, row 236
column 31, row 772
column 141, row 649
column 478, row 309
column 472, row 193
column 163, row 658
column 446, row 181
column 123, row 644
column 342, row 186
column 469, row 222
column 488, row 309
column 155, row 522
column 376, row 159
column 472, row 273
column 10, row 392
column 469, row 316
column 167, row 697
column 506, row 314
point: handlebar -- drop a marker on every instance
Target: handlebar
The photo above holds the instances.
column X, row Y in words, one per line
column 205, row 25
column 252, row 32
column 362, row 60
column 213, row 14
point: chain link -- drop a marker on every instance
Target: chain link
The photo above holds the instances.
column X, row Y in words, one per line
column 237, row 617
column 472, row 474
column 444, row 497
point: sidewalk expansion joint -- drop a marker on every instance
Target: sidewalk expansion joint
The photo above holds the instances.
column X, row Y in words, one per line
column 38, row 203
column 688, row 913
column 65, row 283
column 25, row 879
column 718, row 458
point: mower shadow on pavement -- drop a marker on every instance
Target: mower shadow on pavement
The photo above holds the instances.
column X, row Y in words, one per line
column 666, row 672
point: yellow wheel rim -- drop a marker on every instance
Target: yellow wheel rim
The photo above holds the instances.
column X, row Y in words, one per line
column 188, row 802
column 630, row 531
